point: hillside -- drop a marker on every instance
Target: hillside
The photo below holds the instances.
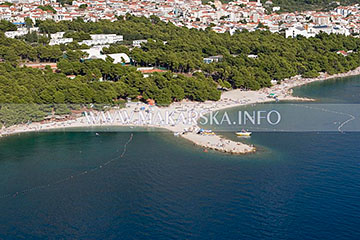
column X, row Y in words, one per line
column 301, row 5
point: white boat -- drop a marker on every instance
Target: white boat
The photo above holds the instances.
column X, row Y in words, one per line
column 243, row 133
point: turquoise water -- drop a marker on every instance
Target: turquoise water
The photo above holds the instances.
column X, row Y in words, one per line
column 297, row 186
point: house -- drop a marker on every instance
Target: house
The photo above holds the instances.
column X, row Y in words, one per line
column 342, row 52
column 276, row 9
column 321, row 19
column 53, row 66
column 147, row 71
column 208, row 60
column 212, row 59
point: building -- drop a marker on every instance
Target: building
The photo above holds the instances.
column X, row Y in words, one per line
column 120, row 58
column 20, row 32
column 58, row 41
column 212, row 59
column 321, row 19
column 101, row 39
column 137, row 43
column 299, row 30
column 148, row 71
column 57, row 35
column 53, row 66
column 95, row 53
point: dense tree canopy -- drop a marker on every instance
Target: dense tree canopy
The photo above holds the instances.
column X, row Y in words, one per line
column 249, row 60
column 7, row 26
column 301, row 5
column 183, row 50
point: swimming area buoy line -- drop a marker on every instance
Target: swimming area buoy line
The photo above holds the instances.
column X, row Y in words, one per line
column 351, row 117
column 36, row 188
column 63, row 180
column 339, row 128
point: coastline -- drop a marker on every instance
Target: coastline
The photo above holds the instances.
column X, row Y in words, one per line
column 229, row 99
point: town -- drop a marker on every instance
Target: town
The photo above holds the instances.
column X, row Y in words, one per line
column 235, row 16
column 158, row 53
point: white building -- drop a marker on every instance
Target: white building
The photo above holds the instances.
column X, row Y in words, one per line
column 299, row 30
column 119, row 57
column 312, row 31
column 212, row 59
column 17, row 33
column 58, row 41
column 101, row 39
column 57, row 35
column 137, row 43
column 331, row 29
column 95, row 53
column 20, row 32
column 321, row 19
column 276, row 9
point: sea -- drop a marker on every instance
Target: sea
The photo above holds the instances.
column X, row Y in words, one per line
column 145, row 184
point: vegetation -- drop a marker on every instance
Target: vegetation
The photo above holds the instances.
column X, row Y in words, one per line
column 207, row 1
column 6, row 3
column 77, row 36
column 182, row 50
column 83, row 6
column 32, row 87
column 301, row 5
column 65, row 2
column 179, row 50
column 7, row 26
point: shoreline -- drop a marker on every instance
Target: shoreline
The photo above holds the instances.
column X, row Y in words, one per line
column 229, row 99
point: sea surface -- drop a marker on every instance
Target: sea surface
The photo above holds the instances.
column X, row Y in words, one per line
column 76, row 185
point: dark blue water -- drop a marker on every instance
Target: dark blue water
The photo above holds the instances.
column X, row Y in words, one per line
column 297, row 186
column 338, row 90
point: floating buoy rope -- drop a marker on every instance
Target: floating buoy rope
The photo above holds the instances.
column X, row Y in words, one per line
column 36, row 188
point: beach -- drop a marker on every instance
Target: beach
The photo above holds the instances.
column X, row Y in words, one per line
column 190, row 129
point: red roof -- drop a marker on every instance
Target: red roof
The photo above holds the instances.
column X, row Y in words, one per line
column 151, row 70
